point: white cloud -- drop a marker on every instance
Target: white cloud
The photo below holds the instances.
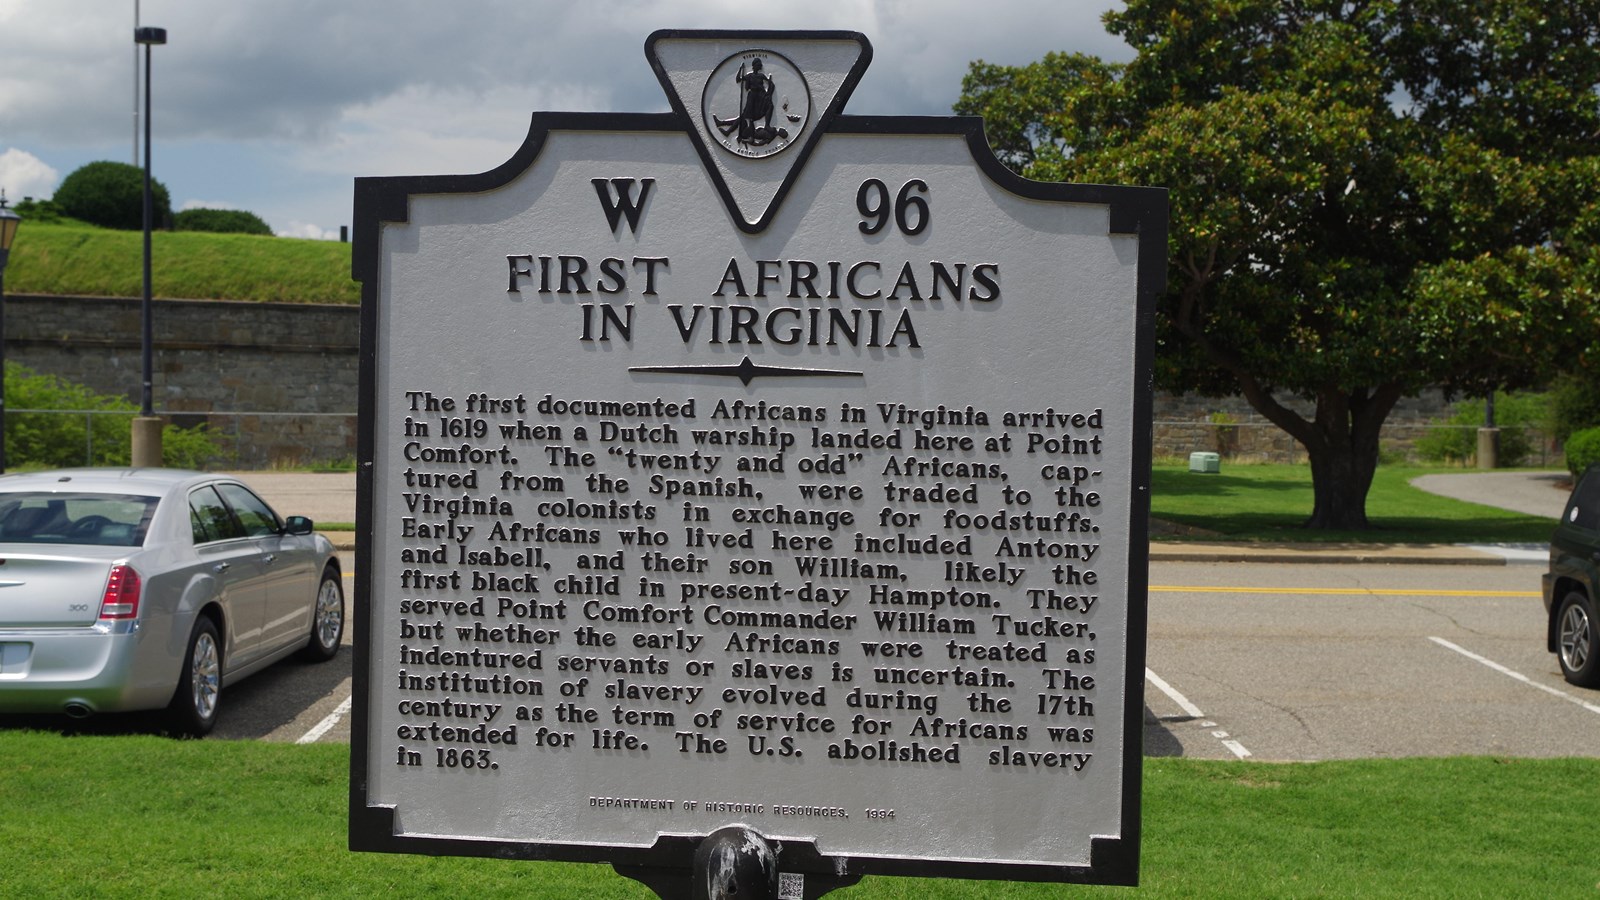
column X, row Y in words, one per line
column 276, row 104
column 24, row 175
column 309, row 231
column 425, row 130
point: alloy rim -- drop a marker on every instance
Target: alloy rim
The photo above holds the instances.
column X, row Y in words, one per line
column 330, row 614
column 206, row 676
column 1575, row 637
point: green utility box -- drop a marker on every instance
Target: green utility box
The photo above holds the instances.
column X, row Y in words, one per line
column 1205, row 462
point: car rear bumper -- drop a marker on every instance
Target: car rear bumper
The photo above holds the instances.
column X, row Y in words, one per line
column 77, row 671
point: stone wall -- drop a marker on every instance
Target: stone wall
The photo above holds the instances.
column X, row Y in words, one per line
column 1227, row 425
column 277, row 382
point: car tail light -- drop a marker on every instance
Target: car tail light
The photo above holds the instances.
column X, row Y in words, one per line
column 122, row 594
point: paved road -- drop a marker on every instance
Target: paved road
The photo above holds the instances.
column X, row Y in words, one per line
column 1306, row 662
column 1268, row 661
column 1262, row 661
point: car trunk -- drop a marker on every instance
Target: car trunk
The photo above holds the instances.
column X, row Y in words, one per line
column 40, row 590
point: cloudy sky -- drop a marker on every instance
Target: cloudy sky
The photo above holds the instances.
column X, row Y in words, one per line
column 275, row 105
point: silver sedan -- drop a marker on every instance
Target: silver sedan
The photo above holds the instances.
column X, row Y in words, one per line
column 153, row 589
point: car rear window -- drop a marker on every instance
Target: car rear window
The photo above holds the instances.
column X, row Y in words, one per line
column 114, row 520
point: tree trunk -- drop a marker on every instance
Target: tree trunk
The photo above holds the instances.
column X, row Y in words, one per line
column 1341, row 475
column 1342, row 438
column 1342, row 443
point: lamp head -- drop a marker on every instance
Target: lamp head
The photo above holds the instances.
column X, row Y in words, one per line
column 149, row 36
column 8, row 226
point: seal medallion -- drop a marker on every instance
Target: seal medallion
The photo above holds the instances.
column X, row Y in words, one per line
column 756, row 103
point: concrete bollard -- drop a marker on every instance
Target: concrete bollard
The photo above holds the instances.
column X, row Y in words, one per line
column 1488, row 448
column 147, row 442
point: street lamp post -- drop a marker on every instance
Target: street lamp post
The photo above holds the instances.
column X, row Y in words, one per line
column 8, row 233
column 146, row 427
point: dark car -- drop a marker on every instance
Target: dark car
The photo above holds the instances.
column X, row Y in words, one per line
column 1569, row 586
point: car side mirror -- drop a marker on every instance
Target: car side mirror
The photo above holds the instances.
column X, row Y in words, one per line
column 297, row 525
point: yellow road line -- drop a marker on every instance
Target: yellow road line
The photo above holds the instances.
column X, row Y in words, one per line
column 1353, row 592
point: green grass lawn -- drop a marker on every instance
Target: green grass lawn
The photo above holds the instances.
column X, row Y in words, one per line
column 1270, row 502
column 141, row 816
column 101, row 262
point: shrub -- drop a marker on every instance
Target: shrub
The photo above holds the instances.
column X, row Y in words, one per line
column 41, row 212
column 225, row 221
column 1514, row 414
column 1225, row 432
column 101, row 437
column 1574, row 403
column 186, row 448
column 111, row 195
column 1583, row 448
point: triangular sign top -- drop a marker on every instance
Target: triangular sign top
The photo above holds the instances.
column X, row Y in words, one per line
column 755, row 103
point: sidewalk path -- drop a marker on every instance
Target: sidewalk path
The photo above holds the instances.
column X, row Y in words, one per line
column 1530, row 493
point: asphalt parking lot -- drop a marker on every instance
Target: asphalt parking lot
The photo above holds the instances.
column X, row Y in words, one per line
column 1308, row 662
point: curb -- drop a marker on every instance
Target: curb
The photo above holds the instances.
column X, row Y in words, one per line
column 1394, row 554
column 341, row 540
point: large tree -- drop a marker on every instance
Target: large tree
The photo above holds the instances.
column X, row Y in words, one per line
column 1368, row 198
column 111, row 195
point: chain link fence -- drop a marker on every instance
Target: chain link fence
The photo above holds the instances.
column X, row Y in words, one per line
column 243, row 440
column 1399, row 443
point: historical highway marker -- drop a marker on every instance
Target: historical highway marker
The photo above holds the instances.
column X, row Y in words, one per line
column 755, row 464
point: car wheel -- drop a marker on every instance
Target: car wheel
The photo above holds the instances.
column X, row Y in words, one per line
column 1578, row 640
column 194, row 705
column 327, row 619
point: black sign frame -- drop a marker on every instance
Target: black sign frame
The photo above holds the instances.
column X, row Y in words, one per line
column 1136, row 211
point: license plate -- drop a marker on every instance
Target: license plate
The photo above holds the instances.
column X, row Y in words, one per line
column 14, row 657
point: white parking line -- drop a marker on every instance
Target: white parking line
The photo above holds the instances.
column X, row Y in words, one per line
column 1517, row 675
column 326, row 725
column 1181, row 700
column 1234, row 747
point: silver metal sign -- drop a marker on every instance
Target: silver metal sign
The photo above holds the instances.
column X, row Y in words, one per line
column 755, row 464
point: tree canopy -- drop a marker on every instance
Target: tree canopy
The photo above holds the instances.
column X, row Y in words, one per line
column 223, row 221
column 111, row 195
column 1368, row 198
